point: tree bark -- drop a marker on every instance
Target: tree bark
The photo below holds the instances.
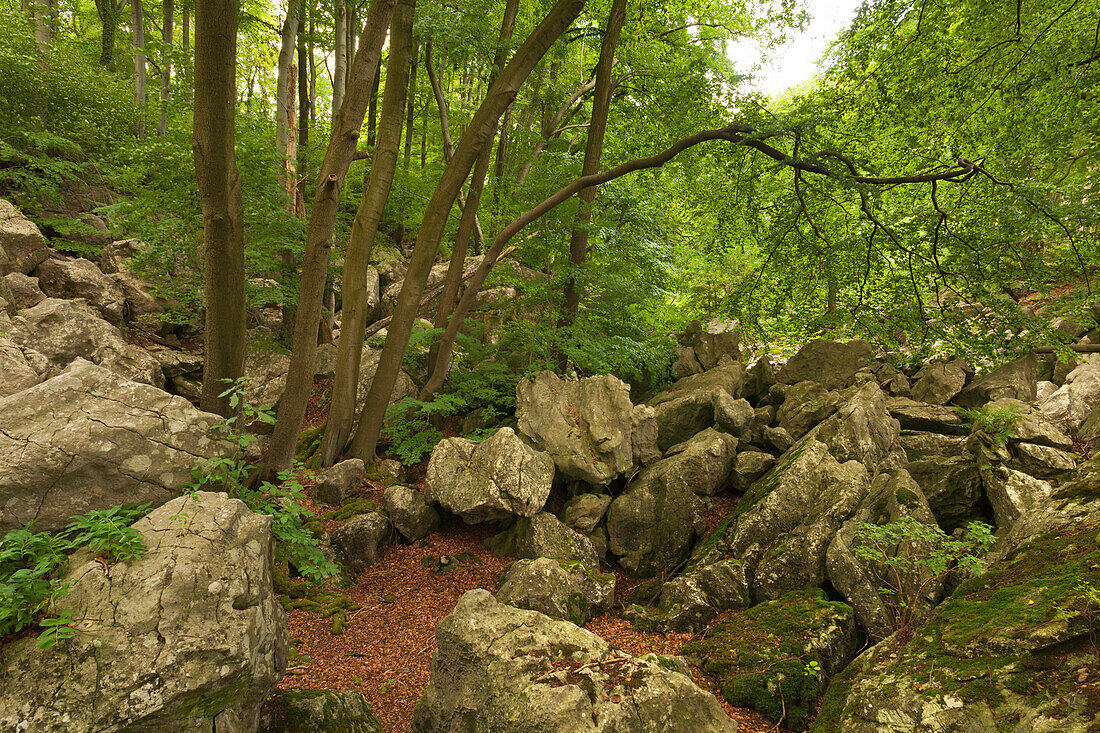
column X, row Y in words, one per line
column 593, row 151
column 40, row 23
column 219, row 186
column 372, row 110
column 478, row 134
column 284, row 93
column 304, row 61
column 340, row 63
column 326, row 200
column 165, row 66
column 363, row 230
column 109, row 12
column 140, row 72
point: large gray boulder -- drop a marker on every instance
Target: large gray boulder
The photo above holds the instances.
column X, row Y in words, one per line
column 832, row 364
column 339, row 481
column 16, row 372
column 409, row 513
column 703, row 463
column 702, row 401
column 584, row 511
column 189, row 637
column 926, row 417
column 947, row 473
column 22, row 290
column 75, row 277
column 861, row 429
column 563, row 589
column 1070, row 404
column 499, row 669
column 495, row 479
column 116, row 256
column 22, row 246
column 358, row 540
column 690, row 601
column 266, row 373
column 543, row 535
column 1016, row 379
column 1013, row 493
column 89, row 439
column 710, row 343
column 1031, row 425
column 803, row 406
column 66, row 330
column 653, row 524
column 939, row 381
column 585, row 425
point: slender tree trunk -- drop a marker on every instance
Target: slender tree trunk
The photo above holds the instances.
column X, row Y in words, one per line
column 340, row 64
column 284, row 94
column 352, row 29
column 304, row 62
column 593, row 151
column 108, row 11
column 312, row 72
column 140, row 73
column 165, row 66
column 288, row 172
column 410, row 104
column 372, row 110
column 40, row 24
column 326, row 200
column 220, row 193
column 473, row 195
column 363, row 230
column 478, row 134
column 186, row 34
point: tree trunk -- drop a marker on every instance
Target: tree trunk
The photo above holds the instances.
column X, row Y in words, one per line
column 284, row 94
column 477, row 136
column 40, row 23
column 593, row 150
column 340, row 64
column 363, row 230
column 138, row 20
column 322, row 221
column 372, row 110
column 410, row 104
column 304, row 62
column 288, row 172
column 165, row 66
column 108, row 11
column 219, row 186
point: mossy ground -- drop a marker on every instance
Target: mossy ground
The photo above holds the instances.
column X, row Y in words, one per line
column 302, row 595
column 759, row 658
column 298, row 710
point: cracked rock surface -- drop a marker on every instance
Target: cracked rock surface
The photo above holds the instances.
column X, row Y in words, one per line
column 89, row 438
column 190, row 637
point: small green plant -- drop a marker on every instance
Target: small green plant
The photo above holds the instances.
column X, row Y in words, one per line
column 55, row 630
column 910, row 557
column 108, row 532
column 999, row 423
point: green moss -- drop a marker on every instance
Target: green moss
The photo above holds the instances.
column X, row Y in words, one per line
column 298, row 710
column 907, row 497
column 758, row 656
column 351, row 509
column 833, row 702
column 305, row 596
column 309, row 442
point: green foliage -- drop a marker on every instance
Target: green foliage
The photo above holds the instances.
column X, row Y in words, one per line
column 108, row 532
column 999, row 423
column 911, row 556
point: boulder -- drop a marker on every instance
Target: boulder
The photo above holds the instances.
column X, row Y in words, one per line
column 410, row 514
column 368, row 365
column 653, row 523
column 938, row 382
column 500, row 669
column 803, row 406
column 585, row 425
column 16, row 373
column 543, row 535
column 562, row 589
column 23, row 290
column 779, row 439
column 188, row 637
column 324, row 361
column 759, row 378
column 266, row 373
column 498, row 478
column 861, row 429
column 1031, row 425
column 926, row 417
column 357, row 540
column 947, row 474
column 1016, row 379
column 88, row 439
column 75, row 277
column 778, row 657
column 584, row 511
column 298, row 709
column 831, row 364
column 783, row 527
column 336, row 483
column 750, row 466
column 22, row 246
column 686, row 364
column 137, row 293
column 66, row 330
column 1012, row 493
column 1089, row 432
column 1042, row 461
column 703, row 463
column 869, row 585
column 689, row 602
column 115, row 256
column 1070, row 404
column 711, row 342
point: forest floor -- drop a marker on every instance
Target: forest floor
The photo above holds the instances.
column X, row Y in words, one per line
column 386, row 649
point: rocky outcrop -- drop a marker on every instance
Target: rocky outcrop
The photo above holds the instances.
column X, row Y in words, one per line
column 69, row 277
column 22, row 246
column 692, row 600
column 1016, row 379
column 357, row 540
column 947, row 474
column 1069, row 405
column 16, row 372
column 297, row 710
column 939, row 381
column 1013, row 493
column 188, row 637
column 89, row 439
column 266, row 373
column 66, row 330
column 926, row 417
column 23, row 290
column 338, row 482
column 543, row 535
column 409, row 513
column 562, row 589
column 703, row 463
column 495, row 479
column 803, row 405
column 500, row 669
column 584, row 511
column 701, row 401
column 584, row 425
column 832, row 364
column 861, row 429
column 115, row 256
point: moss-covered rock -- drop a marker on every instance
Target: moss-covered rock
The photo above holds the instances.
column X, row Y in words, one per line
column 777, row 657
column 563, row 589
column 317, row 711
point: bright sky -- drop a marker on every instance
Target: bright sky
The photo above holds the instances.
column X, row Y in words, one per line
column 796, row 61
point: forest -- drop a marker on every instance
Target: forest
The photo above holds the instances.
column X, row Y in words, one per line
column 751, row 407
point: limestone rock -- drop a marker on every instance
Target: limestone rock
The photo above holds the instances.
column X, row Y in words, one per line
column 495, row 479
column 1070, row 404
column 750, row 466
column 691, row 601
column 22, row 246
column 703, row 463
column 65, row 330
column 861, row 429
column 189, row 637
column 499, row 669
column 759, row 378
column 68, row 278
column 926, row 417
column 16, row 373
column 116, row 255
column 410, row 514
column 89, row 439
column 585, row 425
column 1016, row 379
column 584, row 511
column 947, row 474
column 298, row 709
column 938, row 382
column 831, row 364
column 1013, row 493
column 804, row 405
column 543, row 535
column 358, row 539
column 266, row 372
column 562, row 589
column 24, row 290
column 1031, row 425
column 1042, row 461
column 711, row 342
column 336, row 483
